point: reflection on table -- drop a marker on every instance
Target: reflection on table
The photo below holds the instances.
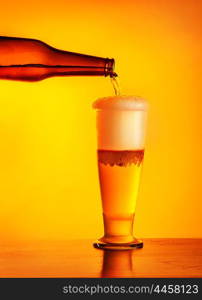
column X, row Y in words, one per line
column 117, row 263
column 78, row 258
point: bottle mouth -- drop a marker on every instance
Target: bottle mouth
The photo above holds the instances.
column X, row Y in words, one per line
column 109, row 67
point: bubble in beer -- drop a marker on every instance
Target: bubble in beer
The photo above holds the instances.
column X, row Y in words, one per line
column 120, row 158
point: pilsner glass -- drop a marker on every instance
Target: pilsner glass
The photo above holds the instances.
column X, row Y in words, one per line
column 121, row 122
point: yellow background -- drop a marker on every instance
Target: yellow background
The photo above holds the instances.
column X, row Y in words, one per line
column 48, row 174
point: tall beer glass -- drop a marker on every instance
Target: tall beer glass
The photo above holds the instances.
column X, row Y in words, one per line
column 121, row 122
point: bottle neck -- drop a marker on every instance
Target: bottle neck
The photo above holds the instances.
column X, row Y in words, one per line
column 70, row 63
column 109, row 67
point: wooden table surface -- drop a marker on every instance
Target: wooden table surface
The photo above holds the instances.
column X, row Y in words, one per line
column 77, row 258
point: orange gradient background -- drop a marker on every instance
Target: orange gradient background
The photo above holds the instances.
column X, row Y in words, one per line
column 48, row 174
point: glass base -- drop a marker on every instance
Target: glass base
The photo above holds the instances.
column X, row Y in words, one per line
column 119, row 246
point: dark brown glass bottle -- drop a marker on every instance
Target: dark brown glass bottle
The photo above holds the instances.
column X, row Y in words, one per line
column 32, row 60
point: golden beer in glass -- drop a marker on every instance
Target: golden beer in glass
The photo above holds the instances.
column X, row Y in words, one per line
column 121, row 122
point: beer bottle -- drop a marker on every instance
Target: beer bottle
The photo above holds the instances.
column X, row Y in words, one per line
column 32, row 60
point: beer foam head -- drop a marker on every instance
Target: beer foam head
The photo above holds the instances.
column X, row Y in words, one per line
column 121, row 103
column 121, row 122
